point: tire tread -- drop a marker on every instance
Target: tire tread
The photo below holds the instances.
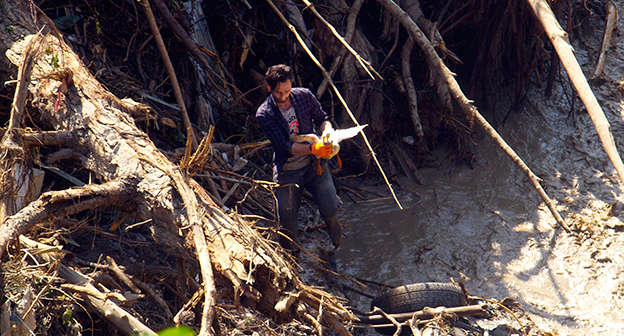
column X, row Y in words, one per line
column 413, row 297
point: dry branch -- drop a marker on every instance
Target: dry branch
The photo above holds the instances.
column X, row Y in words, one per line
column 412, row 8
column 560, row 41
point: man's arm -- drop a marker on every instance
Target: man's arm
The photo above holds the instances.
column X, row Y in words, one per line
column 300, row 148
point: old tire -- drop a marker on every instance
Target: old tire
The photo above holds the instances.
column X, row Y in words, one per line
column 414, row 297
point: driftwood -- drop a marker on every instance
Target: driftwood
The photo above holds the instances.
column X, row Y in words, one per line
column 559, row 39
column 131, row 172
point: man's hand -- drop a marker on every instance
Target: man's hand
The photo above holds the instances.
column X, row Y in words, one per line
column 321, row 149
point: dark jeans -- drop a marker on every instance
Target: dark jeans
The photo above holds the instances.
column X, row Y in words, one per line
column 292, row 184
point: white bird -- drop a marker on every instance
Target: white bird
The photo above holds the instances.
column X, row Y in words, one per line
column 333, row 137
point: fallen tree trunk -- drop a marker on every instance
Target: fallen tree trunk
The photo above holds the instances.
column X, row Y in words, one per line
column 559, row 39
column 128, row 166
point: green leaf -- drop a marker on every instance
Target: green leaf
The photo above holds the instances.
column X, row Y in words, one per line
column 67, row 316
column 177, row 331
column 174, row 331
column 55, row 62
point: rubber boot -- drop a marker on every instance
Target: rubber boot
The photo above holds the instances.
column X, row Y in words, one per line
column 334, row 229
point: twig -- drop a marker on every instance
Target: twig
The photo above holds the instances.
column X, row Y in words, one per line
column 94, row 292
column 502, row 306
column 121, row 274
column 344, row 188
column 227, row 172
column 300, row 248
column 315, row 322
column 231, row 191
column 332, row 272
column 189, row 305
column 320, row 314
column 344, row 103
column 394, row 322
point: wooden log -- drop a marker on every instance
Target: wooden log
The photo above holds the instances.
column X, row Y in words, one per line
column 10, row 146
column 560, row 41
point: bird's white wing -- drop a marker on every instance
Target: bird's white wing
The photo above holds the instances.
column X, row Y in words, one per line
column 342, row 134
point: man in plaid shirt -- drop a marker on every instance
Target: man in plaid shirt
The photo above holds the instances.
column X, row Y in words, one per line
column 288, row 112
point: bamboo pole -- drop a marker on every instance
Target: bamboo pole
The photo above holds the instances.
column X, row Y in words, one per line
column 559, row 39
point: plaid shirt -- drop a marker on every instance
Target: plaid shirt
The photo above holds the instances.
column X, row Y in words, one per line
column 310, row 115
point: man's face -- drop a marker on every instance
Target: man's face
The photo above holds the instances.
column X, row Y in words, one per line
column 281, row 91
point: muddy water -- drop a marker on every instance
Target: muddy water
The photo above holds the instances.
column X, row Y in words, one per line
column 487, row 227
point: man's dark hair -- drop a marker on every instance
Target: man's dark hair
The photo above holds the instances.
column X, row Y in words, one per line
column 277, row 74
